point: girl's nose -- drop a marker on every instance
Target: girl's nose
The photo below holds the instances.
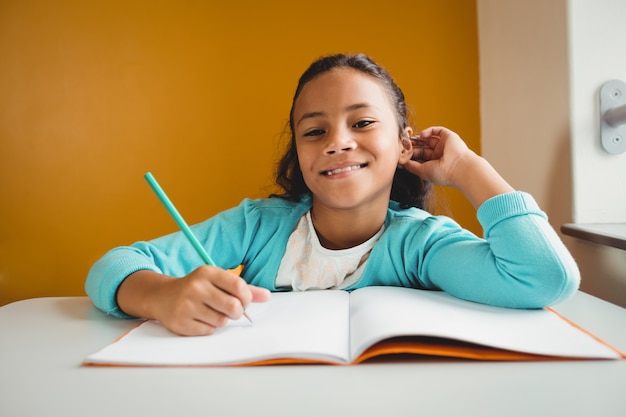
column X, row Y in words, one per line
column 338, row 142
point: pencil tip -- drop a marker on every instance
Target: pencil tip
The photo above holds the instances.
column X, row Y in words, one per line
column 248, row 317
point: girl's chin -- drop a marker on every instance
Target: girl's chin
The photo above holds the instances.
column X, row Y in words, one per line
column 345, row 201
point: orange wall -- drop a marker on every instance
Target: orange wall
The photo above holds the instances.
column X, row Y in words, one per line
column 198, row 92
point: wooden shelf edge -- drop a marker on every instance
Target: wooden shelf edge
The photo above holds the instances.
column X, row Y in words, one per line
column 608, row 234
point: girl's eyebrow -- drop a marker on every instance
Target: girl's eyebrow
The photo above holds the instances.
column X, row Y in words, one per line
column 310, row 115
column 314, row 114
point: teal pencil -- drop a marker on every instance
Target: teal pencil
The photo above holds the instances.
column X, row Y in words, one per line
column 181, row 223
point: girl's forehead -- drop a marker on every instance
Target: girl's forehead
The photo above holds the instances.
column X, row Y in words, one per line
column 342, row 84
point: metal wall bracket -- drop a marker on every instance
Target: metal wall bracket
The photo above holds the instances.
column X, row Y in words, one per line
column 613, row 116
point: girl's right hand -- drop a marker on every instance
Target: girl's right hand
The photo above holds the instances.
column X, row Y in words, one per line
column 194, row 305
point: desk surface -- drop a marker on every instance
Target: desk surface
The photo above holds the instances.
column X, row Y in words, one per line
column 44, row 341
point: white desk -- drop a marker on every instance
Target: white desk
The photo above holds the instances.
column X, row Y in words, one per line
column 43, row 342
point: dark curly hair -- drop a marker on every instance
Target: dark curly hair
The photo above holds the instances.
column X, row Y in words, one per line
column 407, row 189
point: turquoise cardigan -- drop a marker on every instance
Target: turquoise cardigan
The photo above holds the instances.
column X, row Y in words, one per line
column 520, row 263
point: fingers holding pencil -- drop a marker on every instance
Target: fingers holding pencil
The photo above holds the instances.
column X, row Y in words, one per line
column 206, row 300
column 225, row 298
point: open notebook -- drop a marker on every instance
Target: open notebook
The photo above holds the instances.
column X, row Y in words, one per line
column 338, row 327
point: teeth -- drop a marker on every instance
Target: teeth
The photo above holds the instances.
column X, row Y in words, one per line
column 344, row 169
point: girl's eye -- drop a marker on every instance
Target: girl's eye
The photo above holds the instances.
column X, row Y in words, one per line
column 363, row 123
column 315, row 132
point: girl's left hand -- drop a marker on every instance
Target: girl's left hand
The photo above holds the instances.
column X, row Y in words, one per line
column 443, row 158
column 436, row 153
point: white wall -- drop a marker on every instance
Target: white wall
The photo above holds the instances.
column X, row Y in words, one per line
column 542, row 63
column 597, row 48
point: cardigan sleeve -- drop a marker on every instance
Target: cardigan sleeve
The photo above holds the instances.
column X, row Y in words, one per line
column 520, row 263
column 224, row 236
column 253, row 234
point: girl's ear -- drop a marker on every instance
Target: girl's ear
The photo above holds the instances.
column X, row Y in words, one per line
column 407, row 147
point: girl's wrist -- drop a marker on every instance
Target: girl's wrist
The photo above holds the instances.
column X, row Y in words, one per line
column 478, row 180
column 139, row 292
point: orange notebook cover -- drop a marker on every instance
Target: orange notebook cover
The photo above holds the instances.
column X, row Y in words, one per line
column 337, row 327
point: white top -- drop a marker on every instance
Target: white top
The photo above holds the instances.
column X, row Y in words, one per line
column 307, row 265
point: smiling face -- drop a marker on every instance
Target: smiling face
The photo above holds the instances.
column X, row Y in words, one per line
column 347, row 140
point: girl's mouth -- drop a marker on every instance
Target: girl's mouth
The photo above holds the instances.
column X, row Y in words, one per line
column 336, row 171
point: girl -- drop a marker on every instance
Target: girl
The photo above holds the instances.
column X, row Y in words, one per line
column 352, row 214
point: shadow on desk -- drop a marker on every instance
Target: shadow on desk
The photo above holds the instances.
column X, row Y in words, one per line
column 69, row 316
column 80, row 308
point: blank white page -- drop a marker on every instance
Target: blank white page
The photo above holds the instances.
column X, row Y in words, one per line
column 378, row 313
column 291, row 325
